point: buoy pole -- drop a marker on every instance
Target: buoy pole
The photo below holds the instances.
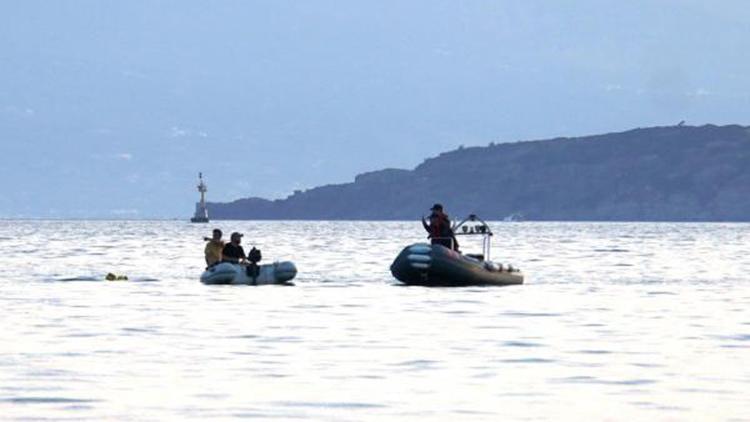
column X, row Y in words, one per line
column 202, row 188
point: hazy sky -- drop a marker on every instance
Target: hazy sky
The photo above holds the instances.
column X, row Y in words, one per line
column 110, row 108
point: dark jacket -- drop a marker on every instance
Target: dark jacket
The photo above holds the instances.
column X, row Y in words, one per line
column 232, row 253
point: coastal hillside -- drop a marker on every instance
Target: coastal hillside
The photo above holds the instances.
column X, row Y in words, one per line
column 677, row 173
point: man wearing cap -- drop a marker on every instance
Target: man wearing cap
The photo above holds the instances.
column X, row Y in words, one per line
column 214, row 246
column 233, row 252
column 439, row 228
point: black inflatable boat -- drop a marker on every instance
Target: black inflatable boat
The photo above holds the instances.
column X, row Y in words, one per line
column 436, row 265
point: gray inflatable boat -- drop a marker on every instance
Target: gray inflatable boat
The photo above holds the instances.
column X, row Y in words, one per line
column 229, row 273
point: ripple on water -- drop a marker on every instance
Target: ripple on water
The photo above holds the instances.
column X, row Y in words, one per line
column 661, row 293
column 594, row 352
column 530, row 314
column 585, row 379
column 279, row 339
column 45, row 400
column 515, row 343
column 734, row 337
column 527, row 360
column 139, row 330
column 657, row 406
column 337, row 405
column 417, row 365
column 77, row 278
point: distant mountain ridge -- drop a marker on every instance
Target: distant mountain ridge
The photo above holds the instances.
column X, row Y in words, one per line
column 675, row 173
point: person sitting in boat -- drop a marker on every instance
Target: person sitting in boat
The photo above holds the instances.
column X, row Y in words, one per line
column 439, row 228
column 214, row 246
column 232, row 251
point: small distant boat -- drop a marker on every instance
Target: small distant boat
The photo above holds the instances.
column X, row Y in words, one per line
column 515, row 217
column 435, row 265
column 201, row 211
column 229, row 273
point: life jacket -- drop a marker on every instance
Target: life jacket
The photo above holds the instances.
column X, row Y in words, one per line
column 440, row 226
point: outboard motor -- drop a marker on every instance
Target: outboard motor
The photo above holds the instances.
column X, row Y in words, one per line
column 254, row 256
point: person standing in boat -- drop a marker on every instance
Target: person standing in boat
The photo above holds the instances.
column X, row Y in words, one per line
column 214, row 246
column 232, row 251
column 439, row 228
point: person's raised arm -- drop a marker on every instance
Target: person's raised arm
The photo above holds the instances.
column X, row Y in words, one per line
column 424, row 224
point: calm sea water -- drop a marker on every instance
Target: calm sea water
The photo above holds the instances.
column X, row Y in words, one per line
column 616, row 322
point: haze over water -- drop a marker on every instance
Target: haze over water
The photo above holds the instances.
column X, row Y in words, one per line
column 641, row 321
column 127, row 101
